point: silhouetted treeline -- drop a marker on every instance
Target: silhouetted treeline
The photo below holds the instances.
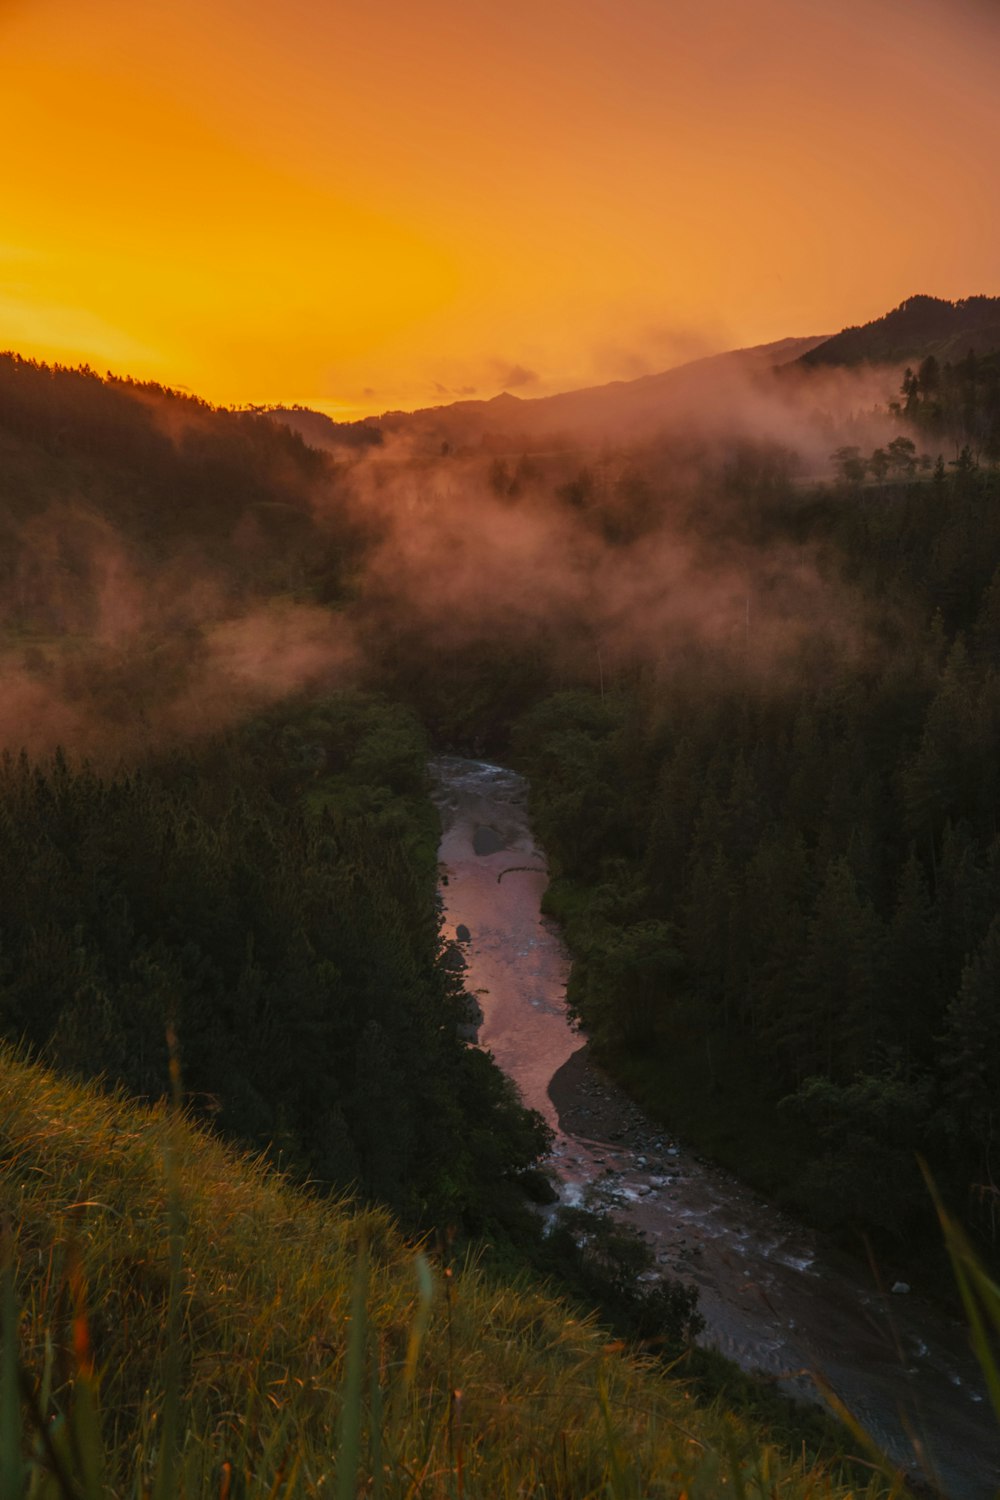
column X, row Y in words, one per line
column 272, row 897
column 762, row 723
column 94, row 467
column 958, row 402
column 918, row 327
column 795, row 877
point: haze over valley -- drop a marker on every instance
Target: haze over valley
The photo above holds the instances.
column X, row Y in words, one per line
column 499, row 744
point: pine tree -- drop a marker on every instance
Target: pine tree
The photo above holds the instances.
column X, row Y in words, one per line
column 972, row 1045
column 839, row 979
column 913, row 969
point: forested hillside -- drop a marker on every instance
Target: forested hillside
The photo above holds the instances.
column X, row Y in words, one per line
column 269, row 897
column 920, row 326
column 784, row 890
column 760, row 716
column 179, row 484
column 959, row 401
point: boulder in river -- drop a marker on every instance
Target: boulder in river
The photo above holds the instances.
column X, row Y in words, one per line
column 468, row 1027
column 452, row 958
column 537, row 1186
column 487, row 841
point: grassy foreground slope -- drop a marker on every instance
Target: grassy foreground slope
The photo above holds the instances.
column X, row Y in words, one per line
column 453, row 1386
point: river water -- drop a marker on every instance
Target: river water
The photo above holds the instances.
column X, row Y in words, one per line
column 774, row 1297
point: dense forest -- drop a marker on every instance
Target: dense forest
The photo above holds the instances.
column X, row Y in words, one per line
column 759, row 714
column 270, row 898
column 918, row 328
column 237, row 848
column 175, row 483
column 960, row 401
column 783, row 891
column 765, row 773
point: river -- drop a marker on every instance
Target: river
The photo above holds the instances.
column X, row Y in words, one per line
column 775, row 1298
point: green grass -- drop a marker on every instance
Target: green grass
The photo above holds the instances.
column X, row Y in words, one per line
column 178, row 1320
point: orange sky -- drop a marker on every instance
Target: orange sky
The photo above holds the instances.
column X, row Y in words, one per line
column 387, row 203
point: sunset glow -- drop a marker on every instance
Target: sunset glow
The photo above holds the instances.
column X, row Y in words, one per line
column 364, row 206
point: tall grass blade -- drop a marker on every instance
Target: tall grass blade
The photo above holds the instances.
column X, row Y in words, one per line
column 11, row 1457
column 617, row 1484
column 421, row 1318
column 979, row 1292
column 877, row 1459
column 84, row 1422
column 87, row 1441
column 52, row 1440
column 736, row 1470
column 165, row 1483
column 376, row 1420
column 351, row 1416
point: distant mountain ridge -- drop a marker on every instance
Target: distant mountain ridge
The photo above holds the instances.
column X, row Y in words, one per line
column 321, row 431
column 624, row 409
column 621, row 405
column 918, row 327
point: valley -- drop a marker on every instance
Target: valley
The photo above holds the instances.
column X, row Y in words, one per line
column 775, row 1297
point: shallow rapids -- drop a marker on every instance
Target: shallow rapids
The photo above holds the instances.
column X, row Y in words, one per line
column 774, row 1298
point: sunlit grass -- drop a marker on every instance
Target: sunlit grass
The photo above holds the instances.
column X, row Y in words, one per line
column 178, row 1320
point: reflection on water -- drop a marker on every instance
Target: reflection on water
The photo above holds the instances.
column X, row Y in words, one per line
column 773, row 1297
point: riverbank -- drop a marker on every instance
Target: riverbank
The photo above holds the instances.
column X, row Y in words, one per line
column 731, row 1121
column 591, row 1106
column 777, row 1300
column 719, row 1097
column 589, row 1103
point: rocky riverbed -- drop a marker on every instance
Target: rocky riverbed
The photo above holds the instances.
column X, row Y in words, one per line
column 774, row 1298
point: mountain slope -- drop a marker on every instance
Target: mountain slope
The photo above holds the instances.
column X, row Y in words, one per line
column 632, row 409
column 917, row 327
column 321, row 431
column 456, row 1386
column 622, row 407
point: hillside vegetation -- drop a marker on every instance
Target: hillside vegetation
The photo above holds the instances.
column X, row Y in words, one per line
column 918, row 327
column 240, row 1337
column 94, row 466
column 783, row 888
column 760, row 717
column 270, row 895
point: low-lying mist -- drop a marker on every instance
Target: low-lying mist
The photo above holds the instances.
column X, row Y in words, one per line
column 170, row 569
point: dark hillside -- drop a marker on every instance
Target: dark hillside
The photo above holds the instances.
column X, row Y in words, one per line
column 163, row 479
column 270, row 897
column 784, row 894
column 321, row 431
column 916, row 328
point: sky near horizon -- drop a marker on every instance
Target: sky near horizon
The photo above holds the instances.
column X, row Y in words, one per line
column 368, row 205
